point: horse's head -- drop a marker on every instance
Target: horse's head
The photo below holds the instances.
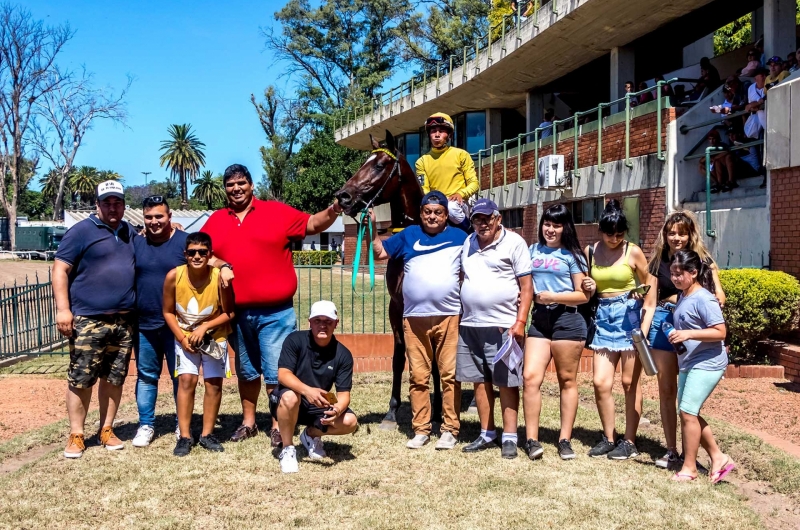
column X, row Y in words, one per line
column 376, row 181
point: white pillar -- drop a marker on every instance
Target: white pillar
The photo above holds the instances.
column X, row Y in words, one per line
column 698, row 49
column 757, row 24
column 534, row 110
column 622, row 70
column 493, row 131
column 779, row 18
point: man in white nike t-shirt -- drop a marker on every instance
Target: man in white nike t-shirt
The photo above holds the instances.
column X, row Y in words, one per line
column 431, row 255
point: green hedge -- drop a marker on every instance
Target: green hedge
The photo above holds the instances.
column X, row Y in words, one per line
column 315, row 257
column 759, row 303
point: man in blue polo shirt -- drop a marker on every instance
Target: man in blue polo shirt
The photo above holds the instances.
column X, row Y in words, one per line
column 431, row 254
column 160, row 251
column 93, row 284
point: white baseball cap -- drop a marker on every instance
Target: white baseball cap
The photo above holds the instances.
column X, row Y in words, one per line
column 324, row 308
column 110, row 188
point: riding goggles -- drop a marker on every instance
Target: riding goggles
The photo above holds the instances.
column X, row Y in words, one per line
column 438, row 120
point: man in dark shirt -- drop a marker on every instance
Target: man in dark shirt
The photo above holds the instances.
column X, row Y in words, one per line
column 311, row 362
column 93, row 285
column 160, row 251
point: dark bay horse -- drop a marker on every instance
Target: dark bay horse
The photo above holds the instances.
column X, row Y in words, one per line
column 386, row 177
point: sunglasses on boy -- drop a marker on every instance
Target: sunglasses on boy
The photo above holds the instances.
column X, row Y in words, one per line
column 203, row 252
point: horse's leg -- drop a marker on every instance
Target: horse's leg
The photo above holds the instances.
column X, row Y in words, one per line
column 398, row 365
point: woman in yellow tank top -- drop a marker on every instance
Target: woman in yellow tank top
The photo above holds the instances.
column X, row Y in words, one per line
column 198, row 310
column 615, row 267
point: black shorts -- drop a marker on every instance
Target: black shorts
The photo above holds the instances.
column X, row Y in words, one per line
column 309, row 415
column 559, row 323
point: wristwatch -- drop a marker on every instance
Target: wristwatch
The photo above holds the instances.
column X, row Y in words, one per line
column 228, row 265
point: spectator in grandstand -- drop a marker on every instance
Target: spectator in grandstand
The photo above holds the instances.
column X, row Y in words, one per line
column 248, row 234
column 776, row 72
column 311, row 363
column 496, row 295
column 646, row 96
column 666, row 90
column 709, row 79
column 752, row 63
column 615, row 265
column 629, row 90
column 725, row 168
column 447, row 169
column 759, row 47
column 547, row 124
column 558, row 330
column 749, row 155
column 791, row 63
column 160, row 251
column 681, row 231
column 756, row 96
column 796, row 62
column 94, row 290
column 431, row 256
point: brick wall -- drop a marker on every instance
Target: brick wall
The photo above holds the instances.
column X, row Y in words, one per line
column 350, row 239
column 788, row 356
column 785, row 220
column 643, row 142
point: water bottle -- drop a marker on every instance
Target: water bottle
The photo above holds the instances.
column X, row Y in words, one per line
column 644, row 352
column 668, row 328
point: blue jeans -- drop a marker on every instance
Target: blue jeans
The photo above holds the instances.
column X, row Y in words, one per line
column 153, row 346
column 258, row 339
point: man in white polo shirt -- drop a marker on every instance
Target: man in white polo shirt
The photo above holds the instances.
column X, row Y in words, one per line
column 431, row 254
column 496, row 297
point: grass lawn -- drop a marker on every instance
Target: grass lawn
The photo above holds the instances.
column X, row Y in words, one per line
column 370, row 480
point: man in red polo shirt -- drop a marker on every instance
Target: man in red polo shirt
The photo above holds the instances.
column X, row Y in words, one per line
column 254, row 238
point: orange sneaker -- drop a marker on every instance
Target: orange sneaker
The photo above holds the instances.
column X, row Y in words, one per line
column 75, row 446
column 109, row 440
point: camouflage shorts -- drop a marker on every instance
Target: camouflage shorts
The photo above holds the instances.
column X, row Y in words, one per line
column 100, row 346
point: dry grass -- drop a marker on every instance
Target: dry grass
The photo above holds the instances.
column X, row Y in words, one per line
column 370, row 480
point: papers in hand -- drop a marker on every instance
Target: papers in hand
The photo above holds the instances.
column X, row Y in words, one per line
column 510, row 353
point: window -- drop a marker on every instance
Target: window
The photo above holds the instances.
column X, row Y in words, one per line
column 512, row 218
column 412, row 148
column 586, row 211
column 471, row 131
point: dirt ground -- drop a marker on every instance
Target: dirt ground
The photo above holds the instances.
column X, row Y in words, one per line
column 11, row 270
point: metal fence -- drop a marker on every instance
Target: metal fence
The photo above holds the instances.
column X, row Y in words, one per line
column 27, row 318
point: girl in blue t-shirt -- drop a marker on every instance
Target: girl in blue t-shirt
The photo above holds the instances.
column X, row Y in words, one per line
column 557, row 330
column 700, row 327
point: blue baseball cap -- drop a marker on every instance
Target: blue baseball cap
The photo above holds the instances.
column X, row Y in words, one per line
column 434, row 197
column 484, row 207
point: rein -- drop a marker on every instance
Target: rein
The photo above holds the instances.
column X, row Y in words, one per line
column 362, row 227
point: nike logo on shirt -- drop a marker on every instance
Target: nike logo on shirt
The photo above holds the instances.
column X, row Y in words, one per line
column 422, row 248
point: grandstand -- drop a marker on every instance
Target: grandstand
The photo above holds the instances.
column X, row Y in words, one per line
column 647, row 148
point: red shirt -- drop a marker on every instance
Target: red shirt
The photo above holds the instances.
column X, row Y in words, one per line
column 259, row 248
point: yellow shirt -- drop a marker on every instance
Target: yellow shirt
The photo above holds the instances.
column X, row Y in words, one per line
column 449, row 170
column 777, row 79
column 193, row 306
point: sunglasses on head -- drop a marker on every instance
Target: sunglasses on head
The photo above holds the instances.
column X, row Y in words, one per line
column 153, row 200
column 203, row 252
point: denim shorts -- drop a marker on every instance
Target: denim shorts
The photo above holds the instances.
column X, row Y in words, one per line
column 615, row 319
column 257, row 340
column 694, row 387
column 656, row 337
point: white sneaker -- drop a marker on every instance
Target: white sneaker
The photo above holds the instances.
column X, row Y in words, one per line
column 144, row 435
column 312, row 445
column 288, row 458
column 446, row 441
column 418, row 441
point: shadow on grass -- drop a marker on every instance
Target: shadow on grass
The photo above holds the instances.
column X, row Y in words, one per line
column 791, row 387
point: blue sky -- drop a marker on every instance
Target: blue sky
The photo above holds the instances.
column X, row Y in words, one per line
column 192, row 62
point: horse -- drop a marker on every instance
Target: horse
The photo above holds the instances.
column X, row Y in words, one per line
column 387, row 177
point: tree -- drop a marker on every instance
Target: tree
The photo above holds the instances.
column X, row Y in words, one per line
column 323, row 166
column 83, row 183
column 64, row 115
column 209, row 190
column 183, row 156
column 28, row 51
column 283, row 121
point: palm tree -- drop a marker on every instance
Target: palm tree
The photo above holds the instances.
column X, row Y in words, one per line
column 209, row 189
column 183, row 156
column 82, row 182
column 108, row 174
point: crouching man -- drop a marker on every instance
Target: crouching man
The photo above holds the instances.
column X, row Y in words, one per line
column 309, row 365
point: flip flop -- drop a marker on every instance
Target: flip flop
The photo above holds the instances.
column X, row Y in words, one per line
column 719, row 475
column 683, row 477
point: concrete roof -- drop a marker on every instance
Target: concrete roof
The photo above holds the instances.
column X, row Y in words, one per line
column 580, row 32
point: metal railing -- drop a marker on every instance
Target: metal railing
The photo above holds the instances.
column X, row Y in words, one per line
column 574, row 122
column 740, row 260
column 27, row 318
column 511, row 23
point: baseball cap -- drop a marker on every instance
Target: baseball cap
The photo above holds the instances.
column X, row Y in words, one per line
column 324, row 308
column 434, row 197
column 484, row 207
column 775, row 59
column 110, row 188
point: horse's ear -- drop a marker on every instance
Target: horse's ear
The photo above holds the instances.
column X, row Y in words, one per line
column 374, row 142
column 390, row 145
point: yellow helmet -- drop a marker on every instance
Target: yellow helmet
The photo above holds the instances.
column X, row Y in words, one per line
column 439, row 119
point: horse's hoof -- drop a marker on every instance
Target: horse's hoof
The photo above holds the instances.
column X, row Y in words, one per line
column 387, row 425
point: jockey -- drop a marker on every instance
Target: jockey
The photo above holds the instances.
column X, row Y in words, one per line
column 447, row 169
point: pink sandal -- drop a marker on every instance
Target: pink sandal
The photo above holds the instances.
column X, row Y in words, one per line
column 683, row 477
column 717, row 476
